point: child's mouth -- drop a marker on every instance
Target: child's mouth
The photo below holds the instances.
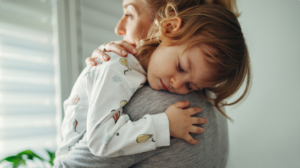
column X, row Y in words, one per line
column 163, row 86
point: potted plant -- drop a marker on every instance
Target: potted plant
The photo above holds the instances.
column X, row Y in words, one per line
column 26, row 155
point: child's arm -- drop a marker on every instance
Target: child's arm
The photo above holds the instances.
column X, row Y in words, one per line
column 111, row 133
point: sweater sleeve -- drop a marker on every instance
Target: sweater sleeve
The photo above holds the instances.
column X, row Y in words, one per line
column 111, row 133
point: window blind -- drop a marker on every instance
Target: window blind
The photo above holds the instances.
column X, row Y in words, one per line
column 33, row 33
column 97, row 22
column 28, row 84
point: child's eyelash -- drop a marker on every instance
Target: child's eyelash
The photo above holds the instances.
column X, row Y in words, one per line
column 188, row 87
column 179, row 68
column 127, row 15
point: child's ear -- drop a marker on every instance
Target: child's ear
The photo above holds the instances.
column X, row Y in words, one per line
column 172, row 25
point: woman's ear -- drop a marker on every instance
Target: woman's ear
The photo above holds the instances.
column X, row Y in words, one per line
column 172, row 25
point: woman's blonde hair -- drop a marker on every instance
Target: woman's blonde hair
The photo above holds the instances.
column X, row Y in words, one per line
column 221, row 40
column 155, row 5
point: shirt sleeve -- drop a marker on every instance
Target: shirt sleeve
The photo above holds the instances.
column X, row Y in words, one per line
column 111, row 133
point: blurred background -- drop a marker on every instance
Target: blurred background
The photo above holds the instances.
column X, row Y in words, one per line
column 266, row 131
column 43, row 45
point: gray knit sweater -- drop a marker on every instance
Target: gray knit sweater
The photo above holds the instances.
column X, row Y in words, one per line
column 211, row 151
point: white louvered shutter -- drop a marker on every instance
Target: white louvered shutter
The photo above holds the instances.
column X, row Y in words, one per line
column 28, row 84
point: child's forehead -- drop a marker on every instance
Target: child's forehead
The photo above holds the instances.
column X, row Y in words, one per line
column 202, row 48
column 202, row 42
column 202, row 61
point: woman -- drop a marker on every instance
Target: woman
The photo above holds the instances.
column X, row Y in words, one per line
column 212, row 149
column 134, row 24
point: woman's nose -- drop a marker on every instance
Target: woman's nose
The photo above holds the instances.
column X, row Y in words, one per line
column 120, row 28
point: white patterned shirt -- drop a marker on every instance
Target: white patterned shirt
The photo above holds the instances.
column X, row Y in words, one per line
column 95, row 106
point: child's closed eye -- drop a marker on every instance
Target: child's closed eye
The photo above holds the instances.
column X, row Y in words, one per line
column 188, row 87
column 179, row 68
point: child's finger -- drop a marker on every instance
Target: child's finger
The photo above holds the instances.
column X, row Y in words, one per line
column 190, row 139
column 194, row 110
column 195, row 129
column 198, row 120
column 182, row 104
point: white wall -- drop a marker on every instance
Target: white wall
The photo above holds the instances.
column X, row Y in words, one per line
column 266, row 131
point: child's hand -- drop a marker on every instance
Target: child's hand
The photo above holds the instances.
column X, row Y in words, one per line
column 181, row 122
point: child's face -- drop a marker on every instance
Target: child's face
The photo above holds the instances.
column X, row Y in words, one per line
column 169, row 70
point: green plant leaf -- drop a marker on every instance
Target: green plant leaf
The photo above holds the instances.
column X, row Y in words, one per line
column 18, row 160
column 51, row 156
column 30, row 155
column 12, row 159
column 15, row 160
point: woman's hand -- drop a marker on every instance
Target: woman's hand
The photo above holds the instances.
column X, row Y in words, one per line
column 181, row 122
column 119, row 47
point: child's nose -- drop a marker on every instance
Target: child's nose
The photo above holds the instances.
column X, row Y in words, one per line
column 176, row 83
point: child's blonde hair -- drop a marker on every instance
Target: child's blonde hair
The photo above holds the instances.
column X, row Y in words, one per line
column 220, row 32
